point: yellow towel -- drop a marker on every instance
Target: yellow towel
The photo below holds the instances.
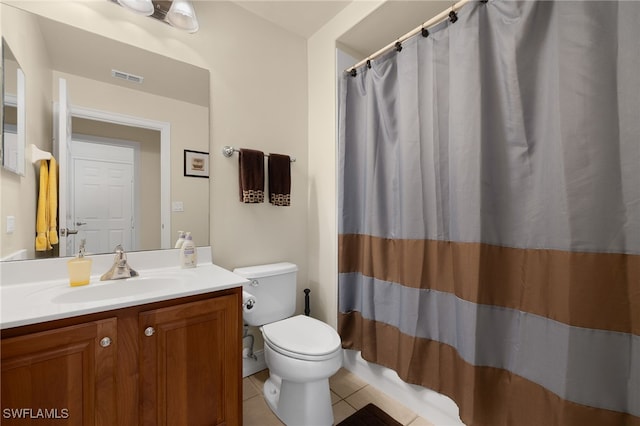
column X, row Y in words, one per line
column 42, row 242
column 52, row 202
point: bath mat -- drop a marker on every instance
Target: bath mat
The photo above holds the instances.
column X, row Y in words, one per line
column 369, row 415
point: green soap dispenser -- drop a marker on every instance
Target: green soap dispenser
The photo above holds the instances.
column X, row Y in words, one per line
column 79, row 268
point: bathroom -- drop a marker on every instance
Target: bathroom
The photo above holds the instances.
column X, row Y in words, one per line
column 294, row 113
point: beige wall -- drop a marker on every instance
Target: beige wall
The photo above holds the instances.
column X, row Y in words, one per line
column 258, row 100
column 22, row 35
column 322, row 215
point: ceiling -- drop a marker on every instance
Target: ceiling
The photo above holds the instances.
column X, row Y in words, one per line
column 302, row 17
column 387, row 23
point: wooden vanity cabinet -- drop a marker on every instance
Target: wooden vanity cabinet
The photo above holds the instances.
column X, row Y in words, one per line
column 176, row 362
column 184, row 354
column 66, row 375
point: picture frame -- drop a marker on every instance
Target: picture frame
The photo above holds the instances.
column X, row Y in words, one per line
column 196, row 163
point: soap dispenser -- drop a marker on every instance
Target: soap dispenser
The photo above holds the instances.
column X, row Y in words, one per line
column 180, row 240
column 79, row 268
column 188, row 253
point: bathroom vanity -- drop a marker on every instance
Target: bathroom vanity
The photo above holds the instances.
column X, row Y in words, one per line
column 170, row 355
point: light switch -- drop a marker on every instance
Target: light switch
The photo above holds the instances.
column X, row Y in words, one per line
column 11, row 224
column 177, row 206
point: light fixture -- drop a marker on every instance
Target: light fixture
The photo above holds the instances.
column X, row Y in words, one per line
column 182, row 15
column 142, row 7
column 177, row 13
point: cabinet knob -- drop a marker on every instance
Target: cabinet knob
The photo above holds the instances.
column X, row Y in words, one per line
column 105, row 342
column 149, row 331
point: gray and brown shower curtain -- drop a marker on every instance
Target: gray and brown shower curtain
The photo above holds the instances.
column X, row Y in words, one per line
column 489, row 212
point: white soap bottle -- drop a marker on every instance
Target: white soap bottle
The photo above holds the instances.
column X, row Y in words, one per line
column 188, row 253
column 180, row 240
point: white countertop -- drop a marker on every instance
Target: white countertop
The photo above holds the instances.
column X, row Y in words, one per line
column 23, row 303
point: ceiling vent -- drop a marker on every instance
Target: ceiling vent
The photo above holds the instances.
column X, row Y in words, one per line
column 126, row 76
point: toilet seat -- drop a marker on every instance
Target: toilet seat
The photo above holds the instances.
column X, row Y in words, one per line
column 303, row 338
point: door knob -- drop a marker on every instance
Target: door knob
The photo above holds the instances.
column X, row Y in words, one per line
column 149, row 331
column 105, row 342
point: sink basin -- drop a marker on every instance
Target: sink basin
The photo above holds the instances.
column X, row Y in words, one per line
column 117, row 288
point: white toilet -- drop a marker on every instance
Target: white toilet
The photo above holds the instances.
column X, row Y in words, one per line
column 300, row 352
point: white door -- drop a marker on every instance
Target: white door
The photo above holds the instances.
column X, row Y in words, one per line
column 102, row 196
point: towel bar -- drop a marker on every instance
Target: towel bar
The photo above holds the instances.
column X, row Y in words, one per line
column 228, row 151
column 38, row 154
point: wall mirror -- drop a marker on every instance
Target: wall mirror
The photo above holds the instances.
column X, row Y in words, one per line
column 13, row 112
column 121, row 101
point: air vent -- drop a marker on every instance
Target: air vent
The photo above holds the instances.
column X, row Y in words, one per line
column 126, row 76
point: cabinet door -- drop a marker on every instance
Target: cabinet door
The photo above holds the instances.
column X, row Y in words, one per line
column 190, row 371
column 62, row 376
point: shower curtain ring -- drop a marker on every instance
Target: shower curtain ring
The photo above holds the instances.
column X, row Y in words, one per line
column 453, row 17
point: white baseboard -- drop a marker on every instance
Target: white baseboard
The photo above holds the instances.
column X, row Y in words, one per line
column 251, row 366
column 433, row 406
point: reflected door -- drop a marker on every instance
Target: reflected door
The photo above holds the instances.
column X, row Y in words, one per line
column 103, row 204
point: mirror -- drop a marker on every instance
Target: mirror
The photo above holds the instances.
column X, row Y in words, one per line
column 118, row 96
column 13, row 113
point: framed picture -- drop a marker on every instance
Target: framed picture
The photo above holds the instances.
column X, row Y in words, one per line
column 196, row 163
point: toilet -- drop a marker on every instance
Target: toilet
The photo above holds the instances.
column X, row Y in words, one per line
column 301, row 352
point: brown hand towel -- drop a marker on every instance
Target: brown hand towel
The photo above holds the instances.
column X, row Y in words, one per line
column 279, row 180
column 251, row 176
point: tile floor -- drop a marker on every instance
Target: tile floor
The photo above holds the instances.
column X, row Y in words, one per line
column 348, row 394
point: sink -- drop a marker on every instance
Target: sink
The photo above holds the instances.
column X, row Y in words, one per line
column 118, row 288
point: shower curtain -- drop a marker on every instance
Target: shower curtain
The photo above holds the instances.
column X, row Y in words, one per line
column 489, row 212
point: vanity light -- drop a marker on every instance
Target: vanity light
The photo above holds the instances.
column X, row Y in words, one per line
column 182, row 15
column 143, row 7
column 177, row 13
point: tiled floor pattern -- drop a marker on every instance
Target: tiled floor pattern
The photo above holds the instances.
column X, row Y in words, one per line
column 348, row 394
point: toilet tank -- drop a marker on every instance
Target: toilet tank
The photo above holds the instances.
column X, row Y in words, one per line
column 274, row 289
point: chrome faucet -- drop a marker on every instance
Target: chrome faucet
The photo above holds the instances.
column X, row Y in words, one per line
column 120, row 268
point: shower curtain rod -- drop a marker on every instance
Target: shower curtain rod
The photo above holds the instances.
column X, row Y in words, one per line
column 431, row 22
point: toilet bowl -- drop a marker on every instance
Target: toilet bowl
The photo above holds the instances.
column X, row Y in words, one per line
column 301, row 352
column 298, row 387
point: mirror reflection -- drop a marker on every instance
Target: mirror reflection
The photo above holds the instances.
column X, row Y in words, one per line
column 120, row 164
column 114, row 182
column 13, row 113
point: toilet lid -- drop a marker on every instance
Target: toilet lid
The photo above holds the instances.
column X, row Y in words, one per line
column 302, row 335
